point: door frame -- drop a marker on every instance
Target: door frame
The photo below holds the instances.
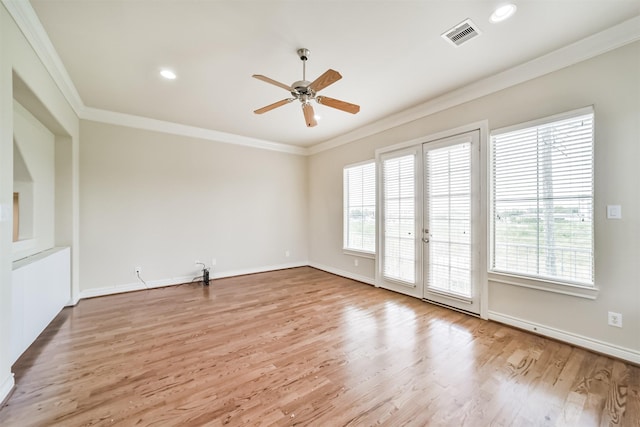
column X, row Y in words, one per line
column 482, row 248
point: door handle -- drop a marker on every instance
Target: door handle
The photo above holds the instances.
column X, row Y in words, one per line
column 425, row 240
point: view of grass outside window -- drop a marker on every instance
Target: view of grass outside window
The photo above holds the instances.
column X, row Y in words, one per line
column 542, row 199
column 360, row 207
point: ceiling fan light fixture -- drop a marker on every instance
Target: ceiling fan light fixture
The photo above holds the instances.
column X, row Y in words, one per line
column 503, row 13
column 168, row 74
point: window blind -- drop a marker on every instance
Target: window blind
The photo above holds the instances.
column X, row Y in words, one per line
column 542, row 200
column 448, row 206
column 360, row 207
column 398, row 179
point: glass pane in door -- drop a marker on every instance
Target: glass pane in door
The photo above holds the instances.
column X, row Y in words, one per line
column 448, row 225
column 399, row 257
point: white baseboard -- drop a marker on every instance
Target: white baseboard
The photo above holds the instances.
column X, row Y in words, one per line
column 131, row 287
column 6, row 387
column 343, row 273
column 568, row 337
column 242, row 272
column 73, row 301
column 139, row 286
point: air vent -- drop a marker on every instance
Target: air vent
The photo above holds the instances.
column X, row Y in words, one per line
column 461, row 33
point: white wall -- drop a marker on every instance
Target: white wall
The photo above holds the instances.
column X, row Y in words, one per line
column 64, row 203
column 36, row 144
column 610, row 82
column 161, row 201
column 18, row 58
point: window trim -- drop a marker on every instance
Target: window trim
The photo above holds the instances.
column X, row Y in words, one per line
column 345, row 204
column 565, row 287
column 358, row 253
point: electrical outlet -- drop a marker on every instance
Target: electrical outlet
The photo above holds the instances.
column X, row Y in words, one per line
column 213, row 262
column 355, row 262
column 287, row 253
column 615, row 319
column 138, row 270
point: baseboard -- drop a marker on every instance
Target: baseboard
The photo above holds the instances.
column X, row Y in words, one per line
column 6, row 387
column 73, row 301
column 139, row 286
column 609, row 349
column 343, row 273
column 231, row 273
column 131, row 287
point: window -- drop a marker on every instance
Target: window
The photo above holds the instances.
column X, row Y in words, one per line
column 542, row 199
column 360, row 208
column 399, row 193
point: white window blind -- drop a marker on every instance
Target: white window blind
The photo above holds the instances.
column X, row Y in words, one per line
column 542, row 199
column 360, row 207
column 398, row 180
column 448, row 206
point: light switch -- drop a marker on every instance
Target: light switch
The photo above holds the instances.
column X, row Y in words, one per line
column 614, row 212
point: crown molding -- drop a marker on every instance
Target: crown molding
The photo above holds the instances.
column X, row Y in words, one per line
column 589, row 47
column 594, row 45
column 27, row 20
column 128, row 120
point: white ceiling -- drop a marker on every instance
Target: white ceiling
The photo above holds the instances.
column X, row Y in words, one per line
column 389, row 52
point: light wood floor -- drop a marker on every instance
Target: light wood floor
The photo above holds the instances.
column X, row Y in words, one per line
column 304, row 347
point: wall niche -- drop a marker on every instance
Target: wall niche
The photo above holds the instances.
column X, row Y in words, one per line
column 33, row 183
column 22, row 197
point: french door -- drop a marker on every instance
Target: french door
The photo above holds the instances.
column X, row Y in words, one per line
column 399, row 248
column 450, row 216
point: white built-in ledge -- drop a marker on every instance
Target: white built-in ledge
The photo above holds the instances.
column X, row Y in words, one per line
column 40, row 288
column 19, row 263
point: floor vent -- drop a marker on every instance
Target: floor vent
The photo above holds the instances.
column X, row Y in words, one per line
column 461, row 33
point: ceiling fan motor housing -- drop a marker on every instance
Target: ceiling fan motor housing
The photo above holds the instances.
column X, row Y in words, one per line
column 301, row 87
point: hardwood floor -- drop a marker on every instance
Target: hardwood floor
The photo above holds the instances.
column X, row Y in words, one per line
column 304, row 347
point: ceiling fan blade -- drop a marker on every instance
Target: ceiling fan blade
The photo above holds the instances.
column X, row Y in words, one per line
column 273, row 82
column 340, row 105
column 329, row 77
column 309, row 115
column 274, row 105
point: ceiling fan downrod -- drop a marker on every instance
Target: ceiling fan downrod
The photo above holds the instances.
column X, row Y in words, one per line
column 304, row 55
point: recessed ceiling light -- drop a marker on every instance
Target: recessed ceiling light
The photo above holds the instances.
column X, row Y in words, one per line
column 503, row 12
column 168, row 74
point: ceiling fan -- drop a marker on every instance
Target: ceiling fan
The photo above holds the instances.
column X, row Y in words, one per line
column 304, row 91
